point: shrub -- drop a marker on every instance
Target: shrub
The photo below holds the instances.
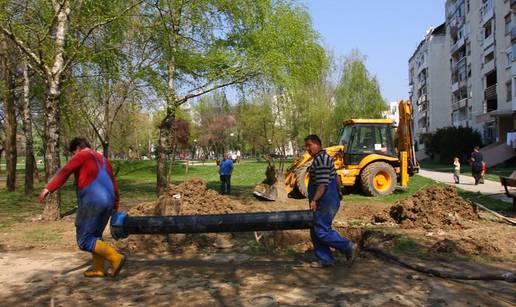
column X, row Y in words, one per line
column 451, row 142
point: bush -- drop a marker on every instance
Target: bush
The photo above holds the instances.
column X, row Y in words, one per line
column 451, row 142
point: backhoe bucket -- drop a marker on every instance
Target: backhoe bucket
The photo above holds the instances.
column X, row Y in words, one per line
column 273, row 187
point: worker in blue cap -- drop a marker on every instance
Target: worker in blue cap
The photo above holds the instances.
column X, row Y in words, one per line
column 324, row 196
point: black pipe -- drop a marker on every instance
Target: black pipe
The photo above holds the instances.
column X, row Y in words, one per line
column 123, row 225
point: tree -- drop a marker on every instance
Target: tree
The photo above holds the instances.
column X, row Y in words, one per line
column 8, row 87
column 447, row 143
column 52, row 36
column 31, row 168
column 358, row 93
column 205, row 45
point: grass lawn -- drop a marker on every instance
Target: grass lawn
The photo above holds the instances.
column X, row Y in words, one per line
column 137, row 181
column 493, row 173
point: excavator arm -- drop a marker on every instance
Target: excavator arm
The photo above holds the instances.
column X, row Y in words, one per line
column 404, row 143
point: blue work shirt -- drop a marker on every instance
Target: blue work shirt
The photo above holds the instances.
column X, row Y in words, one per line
column 226, row 166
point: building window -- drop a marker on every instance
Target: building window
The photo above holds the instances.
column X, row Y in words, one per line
column 508, row 90
column 468, row 49
column 467, row 6
column 488, row 30
column 489, row 57
column 508, row 24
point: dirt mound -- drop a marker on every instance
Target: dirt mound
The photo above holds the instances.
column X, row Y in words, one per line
column 435, row 207
column 197, row 199
column 464, row 246
column 190, row 197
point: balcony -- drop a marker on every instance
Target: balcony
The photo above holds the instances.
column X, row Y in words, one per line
column 459, row 104
column 488, row 42
column 513, row 31
column 422, row 98
column 486, row 12
column 460, row 42
column 489, row 66
column 490, row 92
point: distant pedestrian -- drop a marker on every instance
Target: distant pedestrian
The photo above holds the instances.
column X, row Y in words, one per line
column 238, row 156
column 477, row 162
column 483, row 172
column 225, row 171
column 456, row 170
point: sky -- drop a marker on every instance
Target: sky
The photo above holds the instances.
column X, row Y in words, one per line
column 386, row 31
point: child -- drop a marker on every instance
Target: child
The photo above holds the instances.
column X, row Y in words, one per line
column 483, row 172
column 456, row 170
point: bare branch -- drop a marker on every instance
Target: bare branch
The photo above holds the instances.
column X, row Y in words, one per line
column 39, row 64
column 206, row 89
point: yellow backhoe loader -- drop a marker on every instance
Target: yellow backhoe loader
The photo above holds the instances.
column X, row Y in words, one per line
column 372, row 153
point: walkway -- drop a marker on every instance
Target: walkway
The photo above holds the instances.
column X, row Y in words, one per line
column 467, row 183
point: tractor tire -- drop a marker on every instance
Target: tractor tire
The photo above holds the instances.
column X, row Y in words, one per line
column 300, row 180
column 378, row 178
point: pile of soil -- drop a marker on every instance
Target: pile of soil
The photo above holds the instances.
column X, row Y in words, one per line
column 190, row 197
column 197, row 199
column 435, row 207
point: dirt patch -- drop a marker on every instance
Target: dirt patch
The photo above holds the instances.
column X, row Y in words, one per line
column 435, row 207
column 464, row 246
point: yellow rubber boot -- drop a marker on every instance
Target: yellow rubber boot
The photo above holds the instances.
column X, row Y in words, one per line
column 110, row 254
column 98, row 267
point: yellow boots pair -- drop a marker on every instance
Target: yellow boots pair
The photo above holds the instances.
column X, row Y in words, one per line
column 105, row 252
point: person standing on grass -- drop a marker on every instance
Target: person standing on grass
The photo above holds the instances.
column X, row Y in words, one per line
column 225, row 171
column 477, row 162
column 324, row 198
column 98, row 199
column 456, row 170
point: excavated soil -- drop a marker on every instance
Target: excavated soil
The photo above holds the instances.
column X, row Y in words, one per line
column 188, row 198
column 435, row 207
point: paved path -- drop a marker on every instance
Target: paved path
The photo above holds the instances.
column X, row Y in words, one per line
column 490, row 188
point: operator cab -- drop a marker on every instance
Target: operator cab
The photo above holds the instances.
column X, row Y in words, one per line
column 362, row 137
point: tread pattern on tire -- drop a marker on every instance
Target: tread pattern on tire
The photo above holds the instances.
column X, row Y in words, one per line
column 300, row 180
column 367, row 175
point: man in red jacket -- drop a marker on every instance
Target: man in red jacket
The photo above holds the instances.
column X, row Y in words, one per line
column 98, row 198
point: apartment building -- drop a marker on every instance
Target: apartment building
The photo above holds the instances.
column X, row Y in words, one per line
column 430, row 85
column 481, row 66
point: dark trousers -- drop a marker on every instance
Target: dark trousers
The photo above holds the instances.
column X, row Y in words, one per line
column 225, row 184
column 477, row 177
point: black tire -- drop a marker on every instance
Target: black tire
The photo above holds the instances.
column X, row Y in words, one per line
column 300, row 180
column 370, row 172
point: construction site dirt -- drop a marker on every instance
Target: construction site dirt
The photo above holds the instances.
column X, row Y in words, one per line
column 434, row 227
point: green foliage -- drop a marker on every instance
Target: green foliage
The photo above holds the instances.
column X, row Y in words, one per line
column 358, row 93
column 450, row 142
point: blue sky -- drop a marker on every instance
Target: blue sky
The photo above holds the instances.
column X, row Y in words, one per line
column 386, row 31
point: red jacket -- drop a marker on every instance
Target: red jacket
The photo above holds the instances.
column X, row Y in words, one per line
column 84, row 167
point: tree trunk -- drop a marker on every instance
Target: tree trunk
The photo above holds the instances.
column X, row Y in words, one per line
column 30, row 161
column 52, row 209
column 9, row 113
column 166, row 132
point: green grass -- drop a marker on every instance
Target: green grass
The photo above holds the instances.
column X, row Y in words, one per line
column 493, row 173
column 416, row 183
column 489, row 202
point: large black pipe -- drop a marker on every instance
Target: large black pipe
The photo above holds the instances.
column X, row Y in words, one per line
column 123, row 225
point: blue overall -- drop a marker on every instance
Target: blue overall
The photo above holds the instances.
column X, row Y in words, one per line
column 96, row 203
column 323, row 236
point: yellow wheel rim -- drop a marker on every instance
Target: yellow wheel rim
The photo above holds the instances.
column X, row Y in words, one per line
column 382, row 181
